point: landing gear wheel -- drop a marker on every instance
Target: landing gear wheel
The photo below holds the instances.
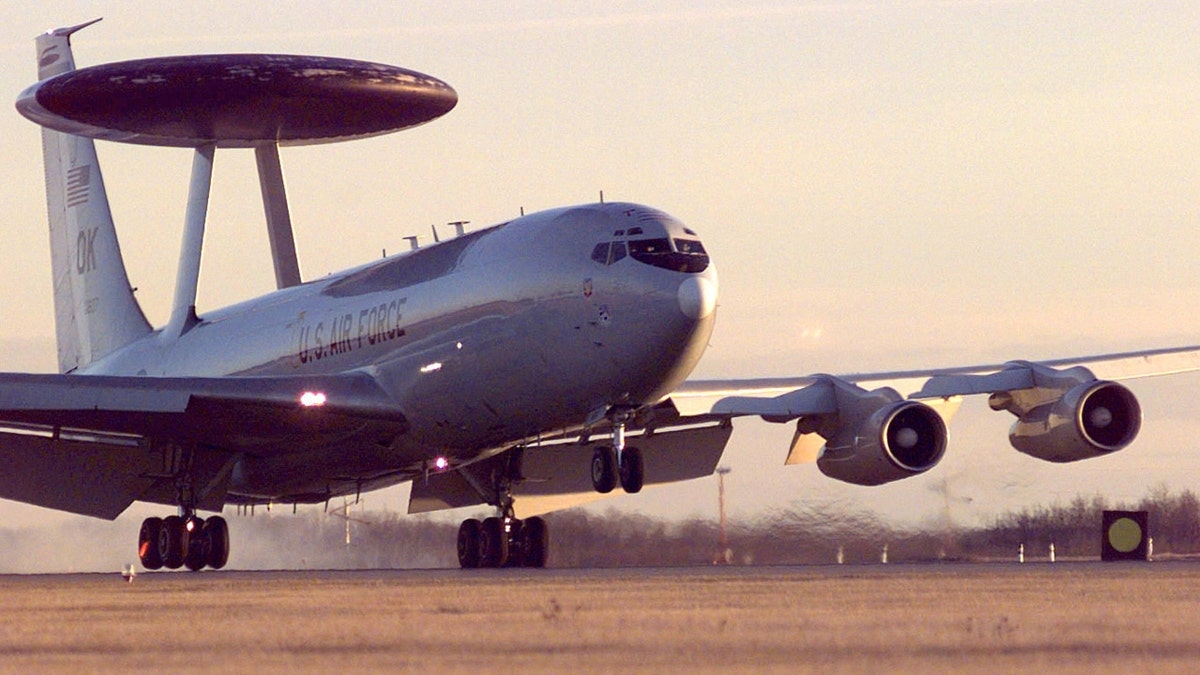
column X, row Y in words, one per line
column 516, row 551
column 468, row 544
column 196, row 556
column 216, row 533
column 604, row 470
column 172, row 542
column 632, row 470
column 493, row 543
column 535, row 542
column 148, row 544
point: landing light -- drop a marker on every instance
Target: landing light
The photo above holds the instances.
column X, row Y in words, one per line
column 441, row 464
column 433, row 367
column 312, row 399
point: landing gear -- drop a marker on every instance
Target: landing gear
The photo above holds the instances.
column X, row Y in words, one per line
column 604, row 469
column 632, row 470
column 618, row 463
column 503, row 542
column 176, row 541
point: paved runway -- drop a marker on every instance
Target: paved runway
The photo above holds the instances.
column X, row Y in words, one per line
column 994, row 617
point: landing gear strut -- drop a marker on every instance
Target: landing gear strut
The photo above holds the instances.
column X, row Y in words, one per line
column 618, row 463
column 503, row 540
column 184, row 539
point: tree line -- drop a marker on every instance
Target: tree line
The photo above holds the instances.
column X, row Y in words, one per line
column 799, row 534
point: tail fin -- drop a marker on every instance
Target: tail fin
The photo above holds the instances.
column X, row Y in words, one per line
column 94, row 308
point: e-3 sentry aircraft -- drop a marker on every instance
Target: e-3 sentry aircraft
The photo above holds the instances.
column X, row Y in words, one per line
column 529, row 366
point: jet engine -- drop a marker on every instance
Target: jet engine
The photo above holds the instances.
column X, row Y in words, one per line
column 1090, row 419
column 876, row 437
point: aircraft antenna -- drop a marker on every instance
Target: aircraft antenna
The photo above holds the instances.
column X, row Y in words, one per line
column 412, row 242
column 435, row 235
column 458, row 227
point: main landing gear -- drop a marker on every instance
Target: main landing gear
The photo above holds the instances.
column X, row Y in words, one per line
column 614, row 463
column 175, row 541
column 503, row 542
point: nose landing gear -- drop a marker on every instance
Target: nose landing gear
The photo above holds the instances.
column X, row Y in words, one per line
column 614, row 463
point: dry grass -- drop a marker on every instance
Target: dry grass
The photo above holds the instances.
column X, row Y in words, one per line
column 1075, row 617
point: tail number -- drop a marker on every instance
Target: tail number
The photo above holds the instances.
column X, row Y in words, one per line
column 85, row 251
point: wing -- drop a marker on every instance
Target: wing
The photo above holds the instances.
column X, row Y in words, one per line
column 94, row 444
column 878, row 427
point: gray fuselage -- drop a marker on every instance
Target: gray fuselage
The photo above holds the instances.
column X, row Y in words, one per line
column 486, row 341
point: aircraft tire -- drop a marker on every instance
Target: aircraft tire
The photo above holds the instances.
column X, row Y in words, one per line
column 632, row 470
column 516, row 543
column 196, row 556
column 535, row 541
column 604, row 470
column 148, row 544
column 493, row 543
column 216, row 532
column 172, row 542
column 468, row 544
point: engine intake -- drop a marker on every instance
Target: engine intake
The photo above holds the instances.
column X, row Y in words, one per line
column 877, row 437
column 1089, row 420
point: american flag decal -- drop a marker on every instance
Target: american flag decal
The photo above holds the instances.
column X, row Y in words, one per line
column 78, row 182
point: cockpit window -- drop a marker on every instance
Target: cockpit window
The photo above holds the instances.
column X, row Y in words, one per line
column 608, row 253
column 688, row 257
column 618, row 252
column 600, row 253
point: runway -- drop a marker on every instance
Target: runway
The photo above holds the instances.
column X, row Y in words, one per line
column 995, row 617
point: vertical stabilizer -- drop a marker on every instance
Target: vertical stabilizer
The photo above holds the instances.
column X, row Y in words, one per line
column 94, row 308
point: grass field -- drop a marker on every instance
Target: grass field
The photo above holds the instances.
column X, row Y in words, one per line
column 985, row 617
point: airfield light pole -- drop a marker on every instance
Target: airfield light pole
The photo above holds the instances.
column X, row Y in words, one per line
column 722, row 557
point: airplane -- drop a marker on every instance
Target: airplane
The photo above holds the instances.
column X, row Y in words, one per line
column 527, row 366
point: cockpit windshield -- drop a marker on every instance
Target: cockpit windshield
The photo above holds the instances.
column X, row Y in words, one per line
column 653, row 238
column 687, row 255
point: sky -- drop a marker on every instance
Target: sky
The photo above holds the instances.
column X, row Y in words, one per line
column 881, row 185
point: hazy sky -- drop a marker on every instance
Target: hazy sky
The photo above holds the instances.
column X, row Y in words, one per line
column 881, row 185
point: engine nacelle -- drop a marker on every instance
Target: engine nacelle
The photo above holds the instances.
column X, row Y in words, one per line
column 1089, row 420
column 881, row 444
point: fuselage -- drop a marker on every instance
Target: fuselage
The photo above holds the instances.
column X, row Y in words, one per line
column 485, row 341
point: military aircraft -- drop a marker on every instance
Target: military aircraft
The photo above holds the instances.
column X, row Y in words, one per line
column 529, row 366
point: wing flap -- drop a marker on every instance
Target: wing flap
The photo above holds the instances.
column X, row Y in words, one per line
column 92, row 479
column 559, row 476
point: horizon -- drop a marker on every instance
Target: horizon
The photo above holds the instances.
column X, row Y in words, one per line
column 907, row 185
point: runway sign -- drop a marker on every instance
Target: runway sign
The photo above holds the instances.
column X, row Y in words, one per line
column 1124, row 535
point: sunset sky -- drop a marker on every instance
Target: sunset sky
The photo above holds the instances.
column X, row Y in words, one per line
column 881, row 185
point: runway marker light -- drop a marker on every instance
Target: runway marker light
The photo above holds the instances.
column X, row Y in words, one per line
column 312, row 399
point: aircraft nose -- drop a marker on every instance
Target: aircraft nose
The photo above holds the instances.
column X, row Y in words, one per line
column 697, row 297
